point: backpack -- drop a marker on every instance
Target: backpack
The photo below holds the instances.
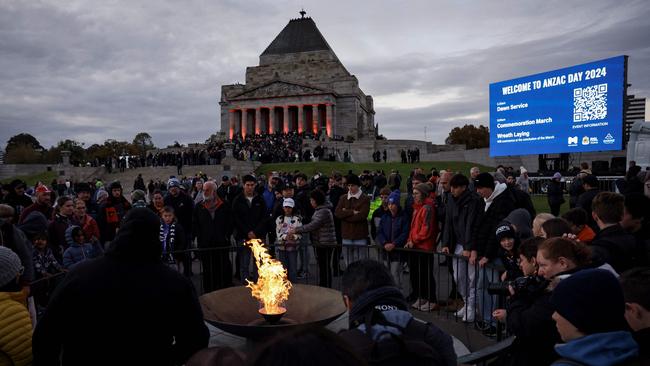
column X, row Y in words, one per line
column 409, row 348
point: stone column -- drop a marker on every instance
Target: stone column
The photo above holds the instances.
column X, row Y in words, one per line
column 258, row 120
column 272, row 127
column 328, row 119
column 231, row 115
column 314, row 121
column 300, row 121
column 286, row 119
column 244, row 122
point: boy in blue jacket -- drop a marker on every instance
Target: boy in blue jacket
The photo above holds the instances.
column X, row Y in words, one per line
column 78, row 249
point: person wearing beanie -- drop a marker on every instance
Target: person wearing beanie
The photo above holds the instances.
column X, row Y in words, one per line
column 133, row 305
column 378, row 207
column 422, row 236
column 392, row 232
column 17, row 198
column 138, row 198
column 508, row 253
column 498, row 203
column 590, row 317
column 15, row 322
column 112, row 212
column 378, row 312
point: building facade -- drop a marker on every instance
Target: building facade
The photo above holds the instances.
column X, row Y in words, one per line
column 299, row 85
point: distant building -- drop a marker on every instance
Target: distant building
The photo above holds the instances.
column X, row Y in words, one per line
column 299, row 85
column 635, row 111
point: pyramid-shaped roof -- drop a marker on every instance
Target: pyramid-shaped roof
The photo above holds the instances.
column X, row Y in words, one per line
column 300, row 35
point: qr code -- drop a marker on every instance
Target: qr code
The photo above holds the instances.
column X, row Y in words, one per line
column 590, row 103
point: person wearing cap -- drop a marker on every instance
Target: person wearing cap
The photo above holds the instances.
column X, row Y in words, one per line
column 287, row 244
column 498, row 203
column 250, row 219
column 15, row 322
column 17, row 198
column 111, row 212
column 226, row 191
column 135, row 310
column 353, row 210
column 422, row 236
column 42, row 203
column 555, row 194
column 590, row 317
column 183, row 206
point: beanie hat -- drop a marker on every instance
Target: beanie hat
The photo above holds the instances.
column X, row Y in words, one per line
column 592, row 300
column 101, row 194
column 424, row 188
column 505, row 230
column 353, row 179
column 484, row 180
column 557, row 176
column 115, row 185
column 138, row 195
column 10, row 266
column 173, row 182
column 288, row 202
column 394, row 197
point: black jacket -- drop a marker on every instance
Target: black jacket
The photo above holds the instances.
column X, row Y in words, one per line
column 584, row 202
column 523, row 200
column 183, row 206
column 460, row 218
column 485, row 232
column 529, row 319
column 614, row 246
column 301, row 197
column 249, row 218
column 124, row 308
column 212, row 231
column 555, row 194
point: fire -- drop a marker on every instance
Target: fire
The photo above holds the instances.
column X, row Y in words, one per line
column 272, row 287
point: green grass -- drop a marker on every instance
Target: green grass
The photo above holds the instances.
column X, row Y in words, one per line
column 31, row 180
column 541, row 204
column 327, row 167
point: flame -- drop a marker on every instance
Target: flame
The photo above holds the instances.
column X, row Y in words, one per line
column 272, row 287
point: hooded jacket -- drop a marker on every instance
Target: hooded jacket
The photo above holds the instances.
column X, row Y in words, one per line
column 77, row 253
column 142, row 313
column 321, row 226
column 424, row 228
column 393, row 229
column 602, row 349
column 522, row 221
column 496, row 208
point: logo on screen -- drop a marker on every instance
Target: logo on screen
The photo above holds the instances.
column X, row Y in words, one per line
column 593, row 140
column 585, row 140
column 609, row 139
column 573, row 141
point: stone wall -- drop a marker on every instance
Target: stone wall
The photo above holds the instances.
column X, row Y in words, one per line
column 75, row 174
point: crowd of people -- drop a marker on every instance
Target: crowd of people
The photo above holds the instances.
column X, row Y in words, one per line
column 573, row 279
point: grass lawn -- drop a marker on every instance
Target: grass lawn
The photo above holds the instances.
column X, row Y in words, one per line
column 45, row 177
column 541, row 204
column 327, row 167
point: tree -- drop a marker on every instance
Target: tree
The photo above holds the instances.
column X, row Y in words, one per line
column 24, row 139
column 77, row 152
column 471, row 136
column 22, row 154
column 143, row 142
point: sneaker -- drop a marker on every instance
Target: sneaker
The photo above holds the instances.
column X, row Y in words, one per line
column 417, row 303
column 491, row 331
column 461, row 313
column 428, row 306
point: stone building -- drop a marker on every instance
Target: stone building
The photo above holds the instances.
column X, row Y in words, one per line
column 299, row 85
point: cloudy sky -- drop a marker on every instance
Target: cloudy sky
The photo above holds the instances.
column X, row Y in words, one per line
column 94, row 70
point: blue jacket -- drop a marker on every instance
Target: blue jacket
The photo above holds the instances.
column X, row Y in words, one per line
column 77, row 253
column 602, row 349
column 393, row 229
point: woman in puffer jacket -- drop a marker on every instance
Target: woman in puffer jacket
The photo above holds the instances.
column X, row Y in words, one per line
column 323, row 236
column 78, row 249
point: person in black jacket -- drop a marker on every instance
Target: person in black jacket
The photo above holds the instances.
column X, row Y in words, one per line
column 522, row 198
column 136, row 310
column 636, row 221
column 301, row 196
column 17, row 198
column 590, row 185
column 555, row 194
column 251, row 222
column 612, row 244
column 498, row 203
column 212, row 222
column 528, row 314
